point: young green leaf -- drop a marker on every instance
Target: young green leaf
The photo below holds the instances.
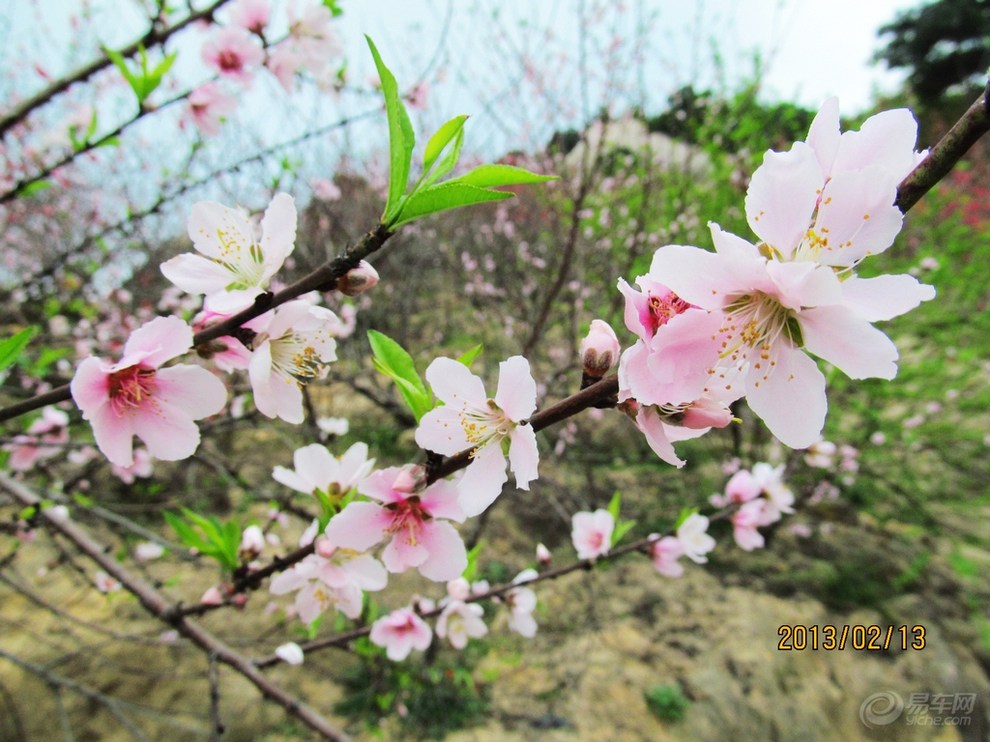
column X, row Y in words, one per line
column 443, row 197
column 439, row 141
column 401, row 137
column 121, row 64
column 394, row 361
column 622, row 527
column 614, row 504
column 468, row 356
column 11, row 348
column 34, row 187
column 447, row 162
column 490, row 176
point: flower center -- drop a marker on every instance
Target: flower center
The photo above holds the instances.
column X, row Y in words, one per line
column 407, row 515
column 229, row 60
column 482, row 426
column 131, row 387
column 662, row 309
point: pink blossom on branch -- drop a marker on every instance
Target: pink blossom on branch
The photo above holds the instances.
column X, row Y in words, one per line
column 591, row 533
column 461, row 621
column 400, row 632
column 318, row 469
column 252, row 15
column 470, row 419
column 233, row 265
column 234, row 53
column 294, row 344
column 209, row 107
column 137, row 397
column 40, row 441
column 415, row 522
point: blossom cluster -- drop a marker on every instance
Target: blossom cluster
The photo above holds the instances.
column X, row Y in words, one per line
column 745, row 320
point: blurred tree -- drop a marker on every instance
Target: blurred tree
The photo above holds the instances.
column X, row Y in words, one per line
column 945, row 45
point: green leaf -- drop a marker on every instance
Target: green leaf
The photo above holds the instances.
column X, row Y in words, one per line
column 489, row 176
column 614, row 504
column 121, row 64
column 447, row 163
column 471, row 570
column 439, row 141
column 401, row 137
column 34, row 187
column 185, row 532
column 394, row 361
column 443, row 197
column 468, row 356
column 622, row 527
column 11, row 348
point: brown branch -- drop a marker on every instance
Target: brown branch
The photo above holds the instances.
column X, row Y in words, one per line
column 946, row 153
column 152, row 38
column 157, row 605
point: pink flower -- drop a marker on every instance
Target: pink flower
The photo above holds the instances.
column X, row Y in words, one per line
column 294, row 344
column 252, row 15
column 142, row 467
column 831, row 199
column 233, row 52
column 459, row 622
column 312, row 46
column 591, row 533
column 769, row 313
column 105, row 583
column 209, row 107
column 318, row 469
column 694, row 539
column 543, row 555
column 744, row 524
column 136, row 397
column 599, row 349
column 227, row 352
column 665, row 552
column 521, row 602
column 335, row 577
column 42, row 440
column 400, row 632
column 741, row 487
column 233, row 266
column 469, row 419
column 252, row 543
column 416, row 522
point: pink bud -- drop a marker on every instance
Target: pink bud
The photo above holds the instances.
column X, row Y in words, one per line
column 706, row 413
column 358, row 280
column 543, row 555
column 599, row 349
column 411, row 478
column 324, row 548
column 212, row 597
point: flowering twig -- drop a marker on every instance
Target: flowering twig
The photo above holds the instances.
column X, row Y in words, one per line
column 157, row 605
column 152, row 38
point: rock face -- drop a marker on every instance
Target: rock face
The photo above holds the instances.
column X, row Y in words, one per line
column 719, row 644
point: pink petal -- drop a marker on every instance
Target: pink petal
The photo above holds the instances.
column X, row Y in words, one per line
column 648, row 421
column 90, row 385
column 516, row 393
column 884, row 297
column 845, row 339
column 278, row 229
column 161, row 339
column 782, row 196
column 823, row 136
column 113, row 434
column 287, row 581
column 524, row 456
column 316, row 465
column 803, row 283
column 695, row 275
column 195, row 274
column 358, row 526
column 192, row 389
column 167, row 431
column 857, row 216
column 440, row 501
column 454, row 384
column 366, row 572
column 792, row 400
column 292, row 480
column 231, row 302
column 886, row 139
column 482, row 481
column 447, row 556
column 441, row 431
column 378, row 485
column 400, row 554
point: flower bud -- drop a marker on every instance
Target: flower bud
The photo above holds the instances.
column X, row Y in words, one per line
column 599, row 349
column 543, row 555
column 358, row 280
column 252, row 542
